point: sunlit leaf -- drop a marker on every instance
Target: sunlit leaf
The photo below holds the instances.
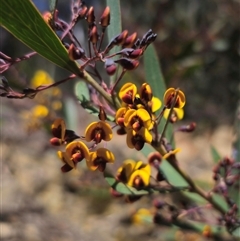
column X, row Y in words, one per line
column 23, row 20
column 220, row 201
column 171, row 175
column 156, row 80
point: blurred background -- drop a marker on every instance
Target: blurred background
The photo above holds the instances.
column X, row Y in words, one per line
column 198, row 47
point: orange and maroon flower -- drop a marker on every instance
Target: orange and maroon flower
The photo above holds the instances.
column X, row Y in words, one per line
column 128, row 92
column 75, row 152
column 134, row 174
column 136, row 119
column 99, row 159
column 169, row 97
column 98, row 131
column 61, row 134
column 137, row 139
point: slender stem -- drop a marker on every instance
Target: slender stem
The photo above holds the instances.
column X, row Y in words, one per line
column 194, row 188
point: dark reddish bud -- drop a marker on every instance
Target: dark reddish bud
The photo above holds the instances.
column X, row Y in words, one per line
column 135, row 54
column 154, row 159
column 132, row 198
column 138, row 145
column 121, row 131
column 127, row 64
column 102, row 166
column 148, row 38
column 110, row 66
column 75, row 53
column 118, row 40
column 102, row 115
column 216, row 168
column 90, row 17
column 188, row 128
column 215, row 176
column 160, row 177
column 93, row 36
column 82, row 12
column 56, row 141
column 105, row 18
column 158, row 204
column 130, row 40
column 66, row 168
column 131, row 53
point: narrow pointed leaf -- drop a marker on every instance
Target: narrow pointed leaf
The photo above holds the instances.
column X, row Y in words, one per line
column 154, row 77
column 52, row 5
column 115, row 26
column 171, row 175
column 215, row 155
column 23, row 20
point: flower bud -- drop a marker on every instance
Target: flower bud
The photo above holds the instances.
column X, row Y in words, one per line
column 102, row 115
column 93, row 36
column 146, row 92
column 127, row 63
column 135, row 53
column 90, row 17
column 154, row 159
column 105, row 18
column 75, row 53
column 129, row 41
column 159, row 204
column 121, row 131
column 55, row 141
column 118, row 40
column 82, row 12
column 110, row 66
column 160, row 177
column 188, row 128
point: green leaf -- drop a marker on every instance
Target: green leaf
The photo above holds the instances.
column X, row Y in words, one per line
column 23, row 20
column 215, row 155
column 83, row 95
column 115, row 26
column 52, row 5
column 171, row 175
column 220, row 201
column 82, row 91
column 155, row 78
column 236, row 232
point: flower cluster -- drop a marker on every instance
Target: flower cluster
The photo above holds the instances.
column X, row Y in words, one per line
column 136, row 115
column 76, row 150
